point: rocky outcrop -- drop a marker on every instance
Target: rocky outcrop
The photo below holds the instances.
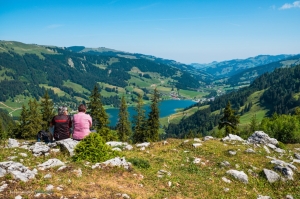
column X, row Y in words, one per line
column 67, row 145
column 232, row 137
column 12, row 143
column 18, row 171
column 39, row 148
column 259, row 137
column 50, row 163
column 272, row 176
column 239, row 175
column 120, row 145
column 115, row 162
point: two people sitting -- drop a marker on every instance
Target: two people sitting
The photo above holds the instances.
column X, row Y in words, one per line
column 62, row 124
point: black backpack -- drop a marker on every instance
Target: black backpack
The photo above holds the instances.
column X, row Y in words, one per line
column 43, row 136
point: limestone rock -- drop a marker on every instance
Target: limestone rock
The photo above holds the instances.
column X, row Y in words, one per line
column 226, row 180
column 115, row 162
column 263, row 197
column 3, row 187
column 232, row 137
column 12, row 143
column 240, row 175
column 39, row 148
column 272, row 176
column 297, row 156
column 47, row 176
column 259, row 137
column 249, row 150
column 145, row 144
column 68, row 145
column 50, row 163
column 197, row 161
column 18, row 171
column 206, row 138
column 225, row 164
column 196, row 145
column 116, row 149
column 231, row 152
column 267, row 149
column 197, row 140
column 49, row 187
column 18, row 197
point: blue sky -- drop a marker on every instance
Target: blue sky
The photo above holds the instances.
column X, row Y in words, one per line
column 188, row 31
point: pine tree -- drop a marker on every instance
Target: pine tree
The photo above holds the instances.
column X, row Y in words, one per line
column 253, row 124
column 34, row 122
column 139, row 122
column 123, row 125
column 153, row 118
column 3, row 134
column 229, row 120
column 47, row 110
column 98, row 113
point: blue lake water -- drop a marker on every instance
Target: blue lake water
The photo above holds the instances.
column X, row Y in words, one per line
column 166, row 108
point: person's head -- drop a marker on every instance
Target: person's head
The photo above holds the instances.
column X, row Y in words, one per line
column 62, row 110
column 81, row 108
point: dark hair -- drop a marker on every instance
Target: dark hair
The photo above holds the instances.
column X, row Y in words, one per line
column 81, row 108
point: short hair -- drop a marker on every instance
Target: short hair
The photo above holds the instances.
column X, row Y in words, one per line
column 81, row 108
column 62, row 109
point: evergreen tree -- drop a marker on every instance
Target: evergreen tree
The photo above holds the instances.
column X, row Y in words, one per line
column 153, row 118
column 3, row 134
column 253, row 124
column 229, row 120
column 47, row 110
column 123, row 125
column 97, row 111
column 139, row 122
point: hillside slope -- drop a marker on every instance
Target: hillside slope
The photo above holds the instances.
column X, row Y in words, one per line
column 276, row 92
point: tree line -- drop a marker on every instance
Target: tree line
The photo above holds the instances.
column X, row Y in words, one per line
column 37, row 116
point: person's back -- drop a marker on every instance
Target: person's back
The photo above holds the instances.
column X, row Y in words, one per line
column 62, row 124
column 82, row 123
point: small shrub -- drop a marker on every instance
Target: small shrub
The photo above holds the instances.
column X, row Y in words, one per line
column 108, row 134
column 93, row 149
column 140, row 163
column 281, row 145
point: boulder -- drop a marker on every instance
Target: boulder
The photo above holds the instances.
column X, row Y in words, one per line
column 232, row 137
column 197, row 140
column 115, row 162
column 50, row 163
column 272, row 176
column 39, row 148
column 208, row 138
column 116, row 144
column 259, row 137
column 145, row 144
column 12, row 143
column 67, row 145
column 297, row 156
column 196, row 145
column 239, row 175
column 18, row 171
column 285, row 168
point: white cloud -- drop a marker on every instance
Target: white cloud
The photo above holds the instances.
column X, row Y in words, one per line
column 53, row 26
column 296, row 4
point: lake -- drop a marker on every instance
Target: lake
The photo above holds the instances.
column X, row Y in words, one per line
column 166, row 108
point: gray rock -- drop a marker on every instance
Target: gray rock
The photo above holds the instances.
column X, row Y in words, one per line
column 128, row 147
column 145, row 144
column 249, row 150
column 61, row 168
column 68, row 145
column 267, row 149
column 231, row 152
column 297, row 156
column 272, row 146
column 47, row 176
column 286, row 171
column 239, row 175
column 232, row 137
column 11, row 157
column 259, row 137
column 197, row 161
column 18, row 197
column 226, row 180
column 161, row 173
column 197, row 140
column 225, row 164
column 18, row 170
column 115, row 162
column 289, row 197
column 115, row 143
column 263, row 197
column 196, row 145
column 279, row 150
column 23, row 154
column 272, row 176
column 2, row 187
column 296, row 160
column 206, row 138
column 50, row 163
column 116, row 149
column 49, row 187
column 12, row 143
column 39, row 148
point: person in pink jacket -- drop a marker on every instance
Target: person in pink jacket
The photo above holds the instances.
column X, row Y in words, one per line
column 82, row 123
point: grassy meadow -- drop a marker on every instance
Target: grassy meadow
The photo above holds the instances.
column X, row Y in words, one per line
column 186, row 179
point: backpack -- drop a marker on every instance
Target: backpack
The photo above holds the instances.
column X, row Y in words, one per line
column 43, row 136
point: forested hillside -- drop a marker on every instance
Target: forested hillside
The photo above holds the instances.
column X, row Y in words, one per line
column 30, row 70
column 281, row 90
